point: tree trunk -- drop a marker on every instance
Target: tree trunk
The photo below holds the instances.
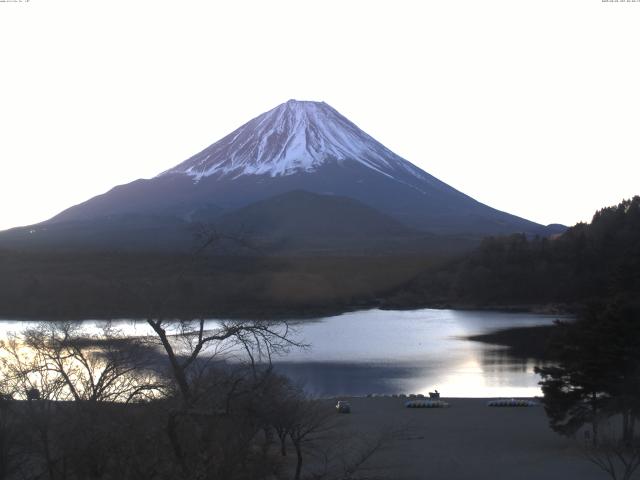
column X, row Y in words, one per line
column 178, row 371
column 282, row 436
column 299, row 462
column 172, row 433
column 626, row 428
column 47, row 456
column 594, row 419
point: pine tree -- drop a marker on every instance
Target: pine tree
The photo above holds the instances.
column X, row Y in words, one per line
column 597, row 374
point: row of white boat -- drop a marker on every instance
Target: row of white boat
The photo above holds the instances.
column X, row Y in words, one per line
column 419, row 400
column 501, row 402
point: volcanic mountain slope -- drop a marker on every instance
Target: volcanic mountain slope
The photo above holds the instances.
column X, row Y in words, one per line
column 300, row 221
column 295, row 222
column 297, row 146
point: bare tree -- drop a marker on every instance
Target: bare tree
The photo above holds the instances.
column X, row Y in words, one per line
column 191, row 349
column 186, row 342
column 11, row 455
column 618, row 458
column 314, row 431
column 93, row 368
column 65, row 374
column 345, row 456
column 25, row 378
column 311, row 420
column 616, row 453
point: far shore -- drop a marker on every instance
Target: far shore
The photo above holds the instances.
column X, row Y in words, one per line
column 522, row 342
column 303, row 313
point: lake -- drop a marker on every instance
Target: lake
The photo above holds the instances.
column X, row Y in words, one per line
column 387, row 352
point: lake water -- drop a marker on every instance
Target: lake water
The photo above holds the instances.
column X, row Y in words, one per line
column 386, row 352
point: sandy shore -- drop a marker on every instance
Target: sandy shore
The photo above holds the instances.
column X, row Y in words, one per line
column 469, row 440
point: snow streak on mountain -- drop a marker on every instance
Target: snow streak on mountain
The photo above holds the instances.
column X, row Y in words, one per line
column 292, row 138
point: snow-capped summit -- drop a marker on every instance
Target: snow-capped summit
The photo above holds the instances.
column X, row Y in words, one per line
column 298, row 147
column 296, row 136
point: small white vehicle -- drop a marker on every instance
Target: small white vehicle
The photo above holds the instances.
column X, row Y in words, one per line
column 343, row 406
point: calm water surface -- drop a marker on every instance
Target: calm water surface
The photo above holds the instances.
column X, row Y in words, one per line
column 376, row 351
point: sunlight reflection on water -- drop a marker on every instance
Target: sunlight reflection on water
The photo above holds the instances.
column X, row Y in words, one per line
column 387, row 352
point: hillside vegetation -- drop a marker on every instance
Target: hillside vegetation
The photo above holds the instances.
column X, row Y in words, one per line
column 589, row 262
column 112, row 285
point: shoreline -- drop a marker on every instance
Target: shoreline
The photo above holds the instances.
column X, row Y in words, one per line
column 308, row 313
column 406, row 398
column 521, row 342
column 468, row 440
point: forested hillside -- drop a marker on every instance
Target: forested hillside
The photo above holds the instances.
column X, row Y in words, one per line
column 595, row 261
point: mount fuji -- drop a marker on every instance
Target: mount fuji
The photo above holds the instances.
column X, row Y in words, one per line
column 300, row 160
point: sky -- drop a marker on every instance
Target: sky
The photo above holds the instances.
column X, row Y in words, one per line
column 532, row 107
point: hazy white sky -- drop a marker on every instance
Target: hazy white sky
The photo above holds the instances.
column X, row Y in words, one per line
column 532, row 107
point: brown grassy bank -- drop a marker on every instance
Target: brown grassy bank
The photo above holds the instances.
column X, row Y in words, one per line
column 109, row 285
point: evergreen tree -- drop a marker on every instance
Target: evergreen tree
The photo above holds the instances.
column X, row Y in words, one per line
column 597, row 374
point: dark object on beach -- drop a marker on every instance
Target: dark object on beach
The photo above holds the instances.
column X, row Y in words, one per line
column 343, row 406
column 435, row 394
column 33, row 394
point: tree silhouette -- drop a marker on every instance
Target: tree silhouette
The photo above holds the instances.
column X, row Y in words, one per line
column 597, row 374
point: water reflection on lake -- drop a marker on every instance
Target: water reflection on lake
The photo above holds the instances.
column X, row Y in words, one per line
column 413, row 352
column 377, row 351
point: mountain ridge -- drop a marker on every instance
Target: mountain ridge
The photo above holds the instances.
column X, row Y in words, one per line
column 299, row 146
